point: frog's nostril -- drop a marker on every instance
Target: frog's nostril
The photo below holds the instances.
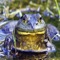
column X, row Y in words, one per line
column 36, row 23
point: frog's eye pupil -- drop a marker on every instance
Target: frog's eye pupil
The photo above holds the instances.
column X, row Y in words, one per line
column 40, row 18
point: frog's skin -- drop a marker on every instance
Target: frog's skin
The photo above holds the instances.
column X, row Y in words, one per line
column 31, row 23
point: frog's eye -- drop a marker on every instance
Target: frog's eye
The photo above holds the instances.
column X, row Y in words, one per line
column 25, row 20
column 39, row 20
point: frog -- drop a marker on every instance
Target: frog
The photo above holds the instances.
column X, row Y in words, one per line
column 31, row 36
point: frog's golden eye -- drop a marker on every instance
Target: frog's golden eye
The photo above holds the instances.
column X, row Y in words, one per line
column 39, row 20
column 24, row 21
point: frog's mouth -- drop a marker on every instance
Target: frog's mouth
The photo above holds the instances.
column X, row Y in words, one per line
column 29, row 33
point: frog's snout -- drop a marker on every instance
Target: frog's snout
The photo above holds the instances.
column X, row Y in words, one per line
column 34, row 25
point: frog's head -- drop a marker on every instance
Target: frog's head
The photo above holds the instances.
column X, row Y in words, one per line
column 31, row 23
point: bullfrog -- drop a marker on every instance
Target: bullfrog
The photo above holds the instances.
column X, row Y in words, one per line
column 31, row 36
